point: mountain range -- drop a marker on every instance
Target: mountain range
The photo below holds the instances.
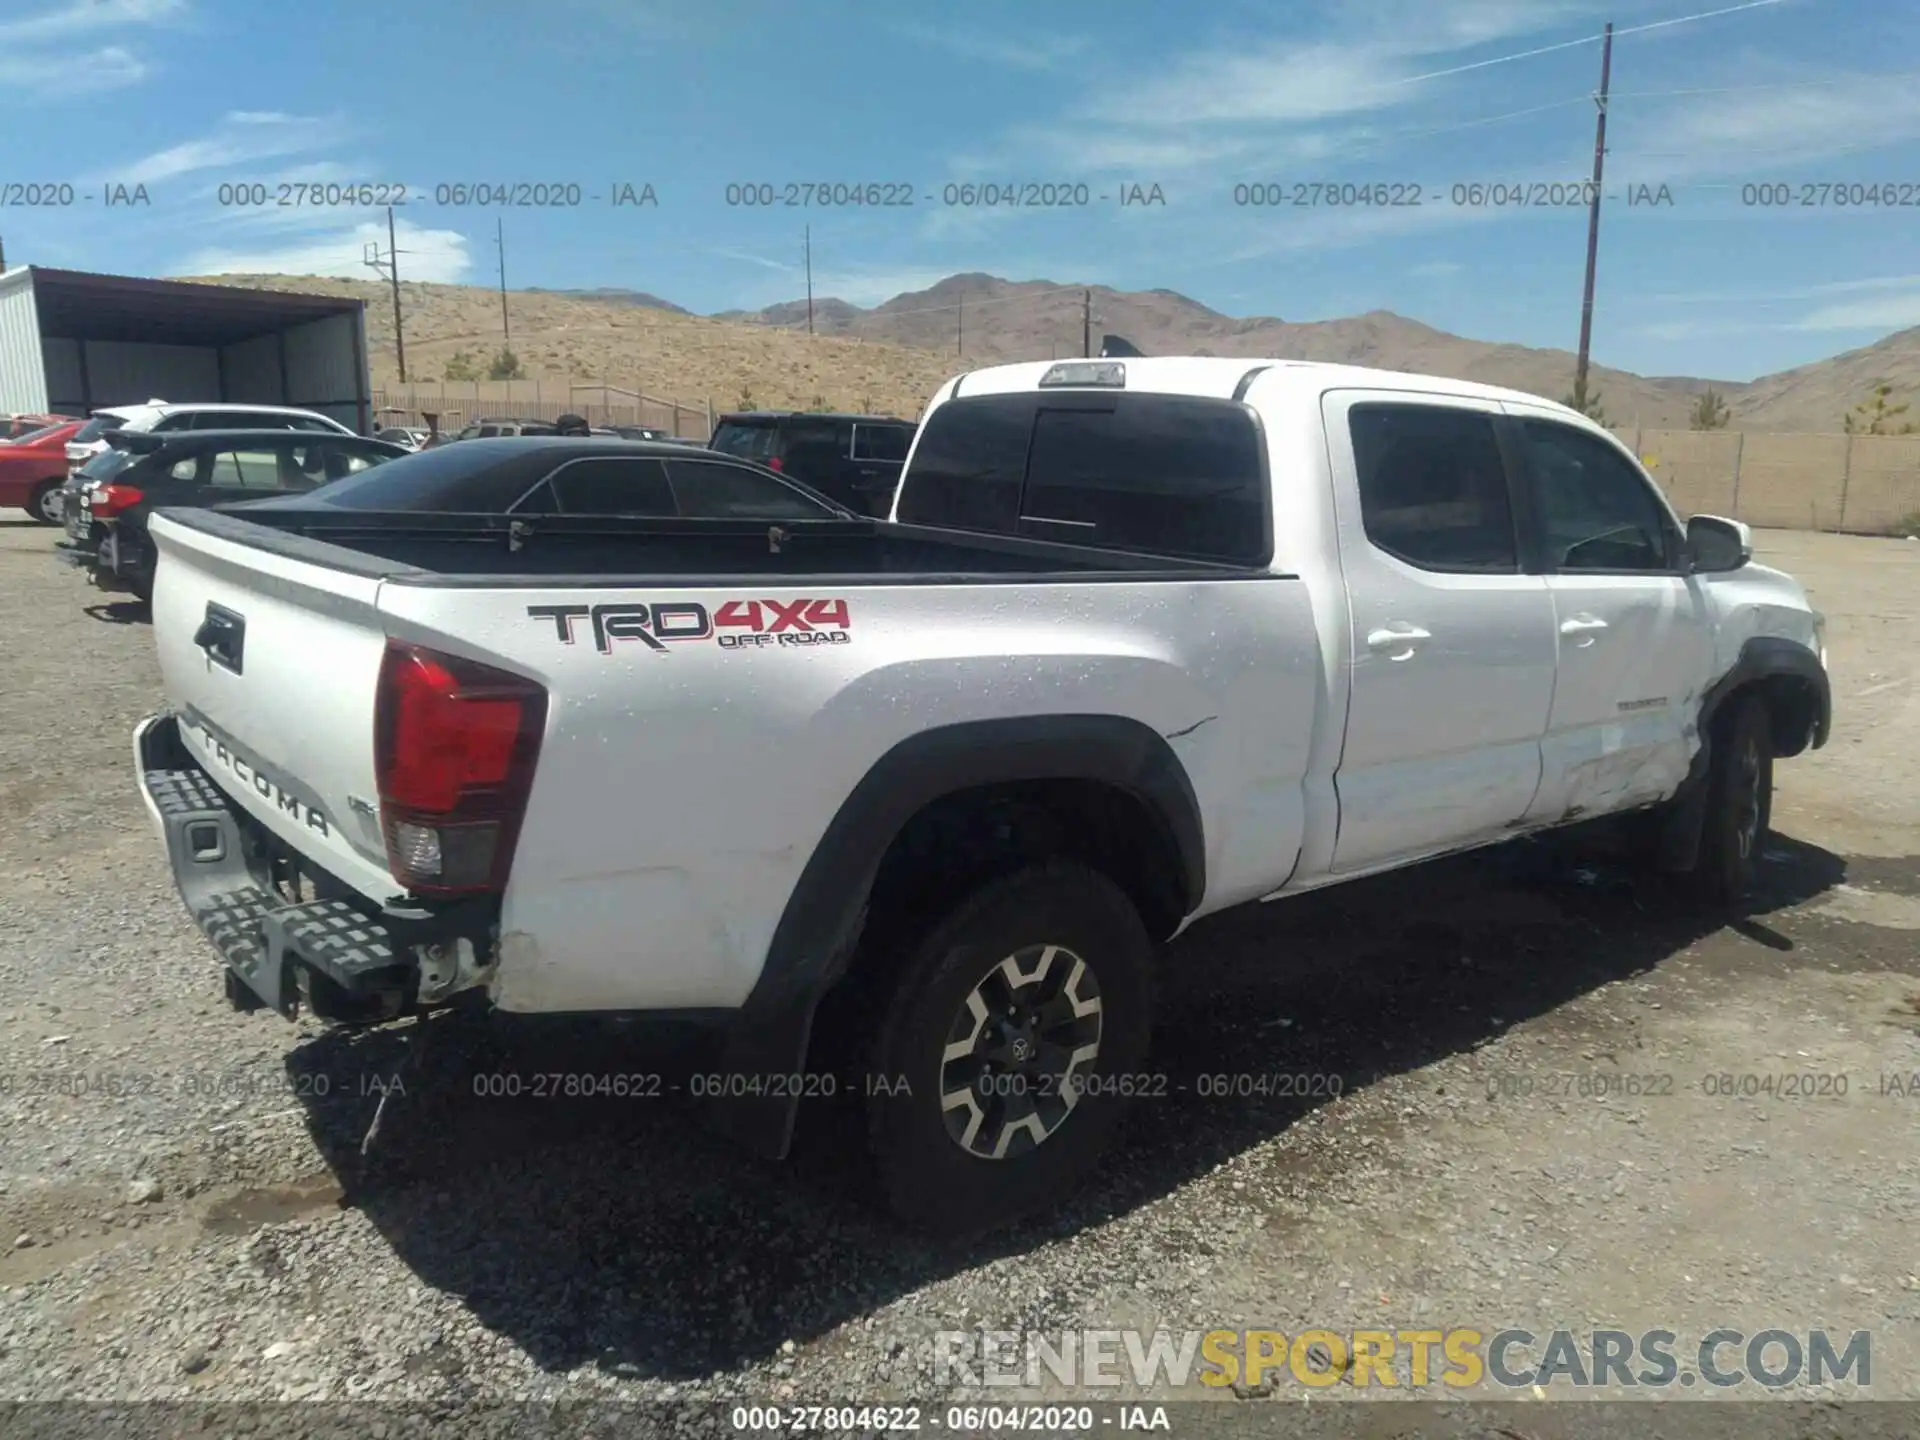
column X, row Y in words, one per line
column 892, row 356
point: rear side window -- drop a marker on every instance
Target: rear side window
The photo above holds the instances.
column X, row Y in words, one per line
column 345, row 460
column 611, row 485
column 1433, row 490
column 886, row 443
column 252, row 470
column 750, row 440
column 1160, row 474
column 715, row 490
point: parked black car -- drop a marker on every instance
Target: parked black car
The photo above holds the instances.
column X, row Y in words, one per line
column 853, row 459
column 573, row 476
column 107, row 502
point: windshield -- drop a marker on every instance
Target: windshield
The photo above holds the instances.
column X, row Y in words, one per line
column 34, row 436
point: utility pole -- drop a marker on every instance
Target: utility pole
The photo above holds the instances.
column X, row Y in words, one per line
column 500, row 240
column 809, row 253
column 390, row 267
column 1086, row 323
column 1593, row 225
column 960, row 328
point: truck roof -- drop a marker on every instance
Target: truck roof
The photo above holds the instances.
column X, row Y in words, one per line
column 1217, row 376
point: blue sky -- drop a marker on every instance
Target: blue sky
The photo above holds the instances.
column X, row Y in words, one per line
column 185, row 96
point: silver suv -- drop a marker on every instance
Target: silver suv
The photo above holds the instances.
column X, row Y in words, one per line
column 159, row 415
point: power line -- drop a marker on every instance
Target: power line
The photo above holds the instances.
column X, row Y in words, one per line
column 1572, row 44
column 1763, row 89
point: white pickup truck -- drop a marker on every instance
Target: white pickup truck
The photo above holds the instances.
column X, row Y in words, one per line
column 1142, row 639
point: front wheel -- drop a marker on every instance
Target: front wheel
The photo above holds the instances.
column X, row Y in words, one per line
column 1739, row 804
column 1001, row 1069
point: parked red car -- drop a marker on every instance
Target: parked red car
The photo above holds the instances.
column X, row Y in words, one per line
column 34, row 467
column 17, row 425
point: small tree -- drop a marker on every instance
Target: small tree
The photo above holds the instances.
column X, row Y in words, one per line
column 1874, row 416
column 745, row 402
column 819, row 402
column 1709, row 413
column 460, row 366
column 1591, row 407
column 505, row 366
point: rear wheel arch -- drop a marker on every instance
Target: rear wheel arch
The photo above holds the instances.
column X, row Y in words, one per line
column 1109, row 785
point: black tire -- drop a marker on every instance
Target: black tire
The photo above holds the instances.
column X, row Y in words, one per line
column 1739, row 807
column 928, row 1176
column 37, row 503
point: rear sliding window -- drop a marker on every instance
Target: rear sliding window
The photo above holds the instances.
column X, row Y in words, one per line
column 1161, row 474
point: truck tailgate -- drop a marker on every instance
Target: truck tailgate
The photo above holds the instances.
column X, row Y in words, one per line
column 271, row 665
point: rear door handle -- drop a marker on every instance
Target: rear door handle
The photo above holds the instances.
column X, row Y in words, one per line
column 1402, row 638
column 1586, row 627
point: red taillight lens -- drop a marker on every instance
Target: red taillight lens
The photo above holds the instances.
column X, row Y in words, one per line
column 454, row 748
column 109, row 500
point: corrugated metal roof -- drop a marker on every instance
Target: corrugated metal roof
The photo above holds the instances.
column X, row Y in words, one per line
column 78, row 305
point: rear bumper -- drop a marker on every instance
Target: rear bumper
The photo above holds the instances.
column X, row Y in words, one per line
column 341, row 957
column 113, row 563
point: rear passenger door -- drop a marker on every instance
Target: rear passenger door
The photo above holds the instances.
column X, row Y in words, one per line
column 1452, row 644
column 1634, row 631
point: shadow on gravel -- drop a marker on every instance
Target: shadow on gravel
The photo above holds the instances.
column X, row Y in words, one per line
column 121, row 612
column 618, row 1232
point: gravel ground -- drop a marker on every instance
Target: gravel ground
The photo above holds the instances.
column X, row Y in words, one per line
column 199, row 1223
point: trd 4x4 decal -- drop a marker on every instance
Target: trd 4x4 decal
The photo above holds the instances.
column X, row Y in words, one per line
column 736, row 625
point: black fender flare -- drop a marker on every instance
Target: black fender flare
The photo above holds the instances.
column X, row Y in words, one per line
column 820, row 926
column 1764, row 657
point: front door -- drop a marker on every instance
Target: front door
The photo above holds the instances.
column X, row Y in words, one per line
column 1452, row 646
column 1633, row 627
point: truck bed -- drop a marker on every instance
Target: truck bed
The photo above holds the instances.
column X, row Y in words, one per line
column 421, row 549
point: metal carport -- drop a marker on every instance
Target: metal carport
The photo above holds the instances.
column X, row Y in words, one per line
column 71, row 341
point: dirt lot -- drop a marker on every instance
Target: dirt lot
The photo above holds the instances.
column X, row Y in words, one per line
column 205, row 1226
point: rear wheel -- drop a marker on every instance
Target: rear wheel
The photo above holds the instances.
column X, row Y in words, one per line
column 1739, row 804
column 44, row 504
column 998, row 1068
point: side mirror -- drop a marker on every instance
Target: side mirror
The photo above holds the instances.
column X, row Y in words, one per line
column 1716, row 545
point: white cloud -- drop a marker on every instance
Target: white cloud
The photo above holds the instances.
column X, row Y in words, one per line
column 431, row 255
column 1437, row 269
column 48, row 77
column 1029, row 52
column 83, row 17
column 872, row 287
column 1770, row 126
column 1895, row 307
column 242, row 137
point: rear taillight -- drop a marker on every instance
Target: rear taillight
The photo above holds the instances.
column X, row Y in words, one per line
column 109, row 500
column 454, row 745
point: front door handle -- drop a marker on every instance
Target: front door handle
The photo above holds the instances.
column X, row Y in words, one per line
column 1403, row 639
column 1585, row 627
